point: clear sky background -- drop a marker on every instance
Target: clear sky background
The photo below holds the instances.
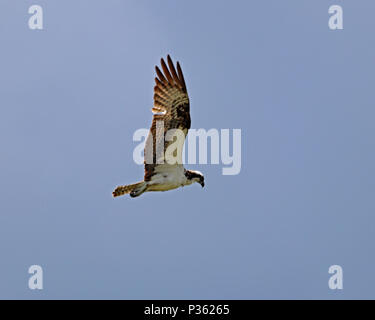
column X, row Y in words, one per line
column 72, row 95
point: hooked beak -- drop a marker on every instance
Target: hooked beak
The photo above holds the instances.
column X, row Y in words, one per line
column 202, row 184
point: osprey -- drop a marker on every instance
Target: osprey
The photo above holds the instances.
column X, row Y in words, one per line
column 172, row 110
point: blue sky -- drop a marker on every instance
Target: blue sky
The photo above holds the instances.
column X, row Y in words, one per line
column 72, row 95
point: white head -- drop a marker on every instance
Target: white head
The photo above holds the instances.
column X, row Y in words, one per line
column 195, row 176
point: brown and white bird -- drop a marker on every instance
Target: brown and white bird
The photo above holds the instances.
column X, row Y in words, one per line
column 171, row 110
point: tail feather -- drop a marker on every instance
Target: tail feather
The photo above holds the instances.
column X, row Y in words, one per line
column 135, row 189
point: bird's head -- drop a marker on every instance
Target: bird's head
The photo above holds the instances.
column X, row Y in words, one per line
column 195, row 176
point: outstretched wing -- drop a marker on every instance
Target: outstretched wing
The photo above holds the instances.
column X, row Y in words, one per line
column 171, row 111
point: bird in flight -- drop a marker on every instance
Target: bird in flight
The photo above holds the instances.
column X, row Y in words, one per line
column 163, row 149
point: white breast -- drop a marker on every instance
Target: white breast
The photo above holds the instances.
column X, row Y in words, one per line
column 167, row 177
